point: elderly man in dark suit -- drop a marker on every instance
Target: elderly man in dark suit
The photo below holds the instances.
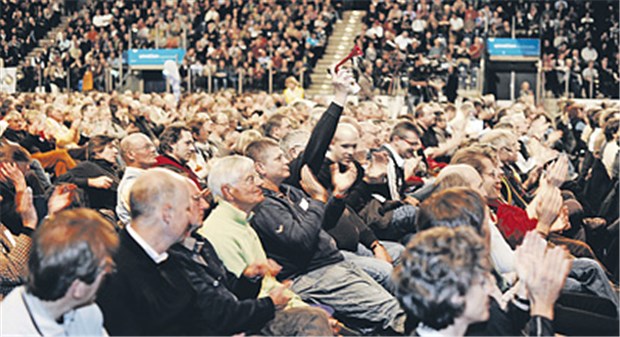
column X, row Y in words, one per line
column 149, row 294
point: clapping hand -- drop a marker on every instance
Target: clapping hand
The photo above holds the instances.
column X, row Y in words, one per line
column 549, row 204
column 413, row 166
column 9, row 172
column 312, row 186
column 544, row 271
column 280, row 296
column 61, row 198
column 26, row 210
column 262, row 268
column 562, row 222
column 538, row 127
column 342, row 181
column 557, row 172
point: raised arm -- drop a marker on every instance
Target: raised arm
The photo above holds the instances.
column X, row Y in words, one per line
column 323, row 132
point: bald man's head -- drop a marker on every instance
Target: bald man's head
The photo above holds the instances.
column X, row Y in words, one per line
column 155, row 189
column 346, row 132
column 464, row 172
column 137, row 150
column 344, row 144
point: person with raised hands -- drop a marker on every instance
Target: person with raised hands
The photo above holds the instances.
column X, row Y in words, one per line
column 15, row 248
column 291, row 223
column 443, row 281
column 584, row 297
column 512, row 221
column 362, row 233
column 64, row 276
column 543, row 272
column 15, row 180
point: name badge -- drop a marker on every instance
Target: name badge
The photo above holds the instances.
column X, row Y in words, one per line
column 304, row 204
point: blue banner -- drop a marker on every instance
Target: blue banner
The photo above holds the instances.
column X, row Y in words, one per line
column 513, row 47
column 153, row 57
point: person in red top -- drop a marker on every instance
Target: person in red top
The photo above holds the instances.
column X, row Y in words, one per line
column 176, row 146
column 475, row 50
column 544, row 214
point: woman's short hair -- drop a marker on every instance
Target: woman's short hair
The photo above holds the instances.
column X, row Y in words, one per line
column 97, row 144
column 70, row 245
column 438, row 267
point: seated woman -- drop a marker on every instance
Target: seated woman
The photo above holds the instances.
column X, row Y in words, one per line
column 443, row 281
column 98, row 176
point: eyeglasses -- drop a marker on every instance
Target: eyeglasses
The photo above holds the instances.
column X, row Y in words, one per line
column 412, row 143
column 494, row 173
column 202, row 194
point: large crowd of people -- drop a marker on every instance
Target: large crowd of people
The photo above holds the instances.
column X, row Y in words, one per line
column 225, row 42
column 222, row 214
column 23, row 25
column 429, row 49
column 432, row 47
column 227, row 213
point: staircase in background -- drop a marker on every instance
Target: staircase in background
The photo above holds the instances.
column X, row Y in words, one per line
column 46, row 42
column 339, row 45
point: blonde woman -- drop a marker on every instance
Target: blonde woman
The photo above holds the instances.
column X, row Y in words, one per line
column 293, row 91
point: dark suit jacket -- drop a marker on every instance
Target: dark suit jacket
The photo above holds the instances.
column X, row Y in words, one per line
column 227, row 303
column 147, row 299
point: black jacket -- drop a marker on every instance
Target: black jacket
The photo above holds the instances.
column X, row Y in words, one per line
column 97, row 198
column 147, row 299
column 351, row 228
column 30, row 142
column 228, row 305
column 291, row 228
column 317, row 146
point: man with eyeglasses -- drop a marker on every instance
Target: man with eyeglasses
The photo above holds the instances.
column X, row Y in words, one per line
column 58, row 299
column 404, row 145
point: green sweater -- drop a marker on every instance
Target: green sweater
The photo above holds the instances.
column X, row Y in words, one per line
column 237, row 245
